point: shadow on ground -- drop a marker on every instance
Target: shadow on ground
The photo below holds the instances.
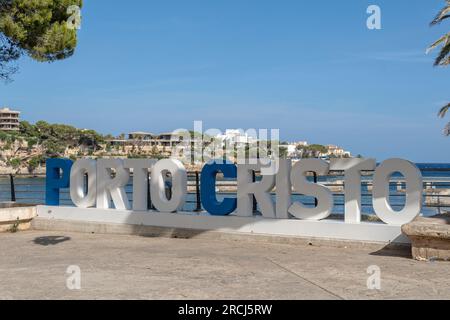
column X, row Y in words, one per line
column 394, row 250
column 50, row 240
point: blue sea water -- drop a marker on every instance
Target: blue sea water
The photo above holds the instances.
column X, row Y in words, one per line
column 32, row 190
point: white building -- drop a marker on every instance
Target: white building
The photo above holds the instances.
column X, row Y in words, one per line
column 291, row 150
column 9, row 120
column 337, row 151
column 301, row 143
column 234, row 136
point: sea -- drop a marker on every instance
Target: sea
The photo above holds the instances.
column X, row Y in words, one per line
column 31, row 190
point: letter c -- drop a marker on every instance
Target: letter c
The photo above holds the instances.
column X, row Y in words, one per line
column 208, row 188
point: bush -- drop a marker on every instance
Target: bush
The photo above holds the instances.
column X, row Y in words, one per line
column 34, row 162
column 15, row 163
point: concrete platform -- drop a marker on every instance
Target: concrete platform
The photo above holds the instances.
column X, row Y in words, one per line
column 332, row 229
column 33, row 265
column 14, row 216
column 204, row 235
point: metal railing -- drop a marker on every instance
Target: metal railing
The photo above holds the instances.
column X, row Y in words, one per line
column 30, row 189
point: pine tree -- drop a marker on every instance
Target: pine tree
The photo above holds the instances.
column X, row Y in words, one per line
column 41, row 29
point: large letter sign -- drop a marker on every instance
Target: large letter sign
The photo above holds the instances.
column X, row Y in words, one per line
column 112, row 188
column 284, row 189
column 208, row 188
column 82, row 169
column 58, row 177
column 302, row 185
column 141, row 169
column 414, row 186
column 159, row 174
column 102, row 184
column 247, row 189
column 352, row 186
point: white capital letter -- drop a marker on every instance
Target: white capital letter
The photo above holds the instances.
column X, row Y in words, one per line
column 352, row 185
column 112, row 188
column 141, row 168
column 302, row 185
column 77, row 174
column 261, row 190
column 284, row 188
column 158, row 185
column 414, row 186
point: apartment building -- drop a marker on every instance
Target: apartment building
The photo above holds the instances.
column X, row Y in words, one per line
column 9, row 120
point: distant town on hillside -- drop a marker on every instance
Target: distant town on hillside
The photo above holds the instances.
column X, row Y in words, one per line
column 25, row 146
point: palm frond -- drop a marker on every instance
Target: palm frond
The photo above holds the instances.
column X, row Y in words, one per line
column 445, row 61
column 442, row 15
column 443, row 58
column 441, row 41
column 446, row 130
column 443, row 55
column 444, row 110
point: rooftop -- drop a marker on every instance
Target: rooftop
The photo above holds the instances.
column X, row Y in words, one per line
column 141, row 133
column 8, row 110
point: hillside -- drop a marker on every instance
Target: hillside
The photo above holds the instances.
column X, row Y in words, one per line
column 25, row 151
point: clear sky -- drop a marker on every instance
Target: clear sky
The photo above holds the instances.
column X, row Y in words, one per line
column 309, row 68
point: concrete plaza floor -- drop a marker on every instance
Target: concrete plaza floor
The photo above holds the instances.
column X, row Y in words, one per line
column 33, row 265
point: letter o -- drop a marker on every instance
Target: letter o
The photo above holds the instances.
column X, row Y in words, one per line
column 79, row 169
column 414, row 186
column 179, row 185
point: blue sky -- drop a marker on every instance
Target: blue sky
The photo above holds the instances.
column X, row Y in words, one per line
column 309, row 68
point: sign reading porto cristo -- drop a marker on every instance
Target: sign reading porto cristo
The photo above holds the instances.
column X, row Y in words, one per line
column 101, row 184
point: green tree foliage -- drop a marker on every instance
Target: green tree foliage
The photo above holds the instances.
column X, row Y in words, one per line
column 3, row 136
column 155, row 154
column 318, row 148
column 35, row 162
column 312, row 151
column 37, row 28
column 15, row 163
column 55, row 138
column 283, row 152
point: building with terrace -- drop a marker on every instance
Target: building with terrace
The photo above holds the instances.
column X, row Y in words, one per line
column 9, row 120
column 143, row 136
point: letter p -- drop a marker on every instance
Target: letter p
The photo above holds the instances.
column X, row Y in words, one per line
column 57, row 177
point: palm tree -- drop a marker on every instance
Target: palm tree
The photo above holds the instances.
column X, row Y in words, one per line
column 443, row 59
column 442, row 114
